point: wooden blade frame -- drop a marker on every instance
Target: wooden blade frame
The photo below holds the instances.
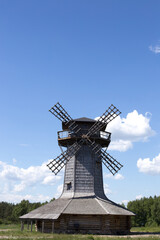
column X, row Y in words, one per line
column 58, row 163
column 58, row 111
column 110, row 162
column 111, row 113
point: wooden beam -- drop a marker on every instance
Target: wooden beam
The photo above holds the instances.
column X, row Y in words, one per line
column 31, row 225
column 53, row 226
column 43, row 226
column 22, row 225
column 36, row 223
column 27, row 225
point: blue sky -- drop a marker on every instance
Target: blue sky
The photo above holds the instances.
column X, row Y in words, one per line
column 86, row 55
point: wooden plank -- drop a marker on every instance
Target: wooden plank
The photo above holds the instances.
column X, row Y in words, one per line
column 43, row 226
column 31, row 225
column 22, row 225
column 53, row 226
column 27, row 225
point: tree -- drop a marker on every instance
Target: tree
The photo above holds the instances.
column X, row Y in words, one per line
column 155, row 211
column 6, row 211
column 20, row 209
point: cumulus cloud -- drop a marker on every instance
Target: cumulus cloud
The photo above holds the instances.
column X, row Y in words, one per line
column 139, row 196
column 125, row 202
column 155, row 49
column 118, row 176
column 19, row 187
column 50, row 179
column 107, row 189
column 134, row 128
column 15, row 198
column 59, row 191
column 17, row 179
column 148, row 166
column 120, row 145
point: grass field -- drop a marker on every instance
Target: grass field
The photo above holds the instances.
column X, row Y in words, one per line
column 13, row 232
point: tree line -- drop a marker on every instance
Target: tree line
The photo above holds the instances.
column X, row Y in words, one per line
column 10, row 213
column 147, row 211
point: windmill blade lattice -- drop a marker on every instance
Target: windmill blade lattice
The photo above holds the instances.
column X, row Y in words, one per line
column 59, row 162
column 111, row 113
column 58, row 111
column 110, row 162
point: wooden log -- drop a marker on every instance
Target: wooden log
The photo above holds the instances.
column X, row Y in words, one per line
column 31, row 225
column 43, row 226
column 53, row 226
column 22, row 225
column 36, row 227
column 27, row 225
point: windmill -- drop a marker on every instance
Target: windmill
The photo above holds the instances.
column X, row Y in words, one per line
column 83, row 206
column 83, row 137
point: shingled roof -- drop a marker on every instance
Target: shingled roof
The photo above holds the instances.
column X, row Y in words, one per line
column 83, row 205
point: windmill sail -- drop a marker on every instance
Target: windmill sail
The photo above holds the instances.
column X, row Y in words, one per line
column 80, row 139
column 59, row 162
column 110, row 162
column 111, row 113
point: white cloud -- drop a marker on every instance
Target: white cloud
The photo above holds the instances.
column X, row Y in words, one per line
column 19, row 187
column 59, row 191
column 139, row 196
column 118, row 176
column 125, row 202
column 17, row 179
column 120, row 145
column 155, row 49
column 15, row 198
column 134, row 128
column 107, row 189
column 148, row 166
column 50, row 179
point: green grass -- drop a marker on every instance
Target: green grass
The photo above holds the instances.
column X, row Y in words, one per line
column 13, row 232
column 146, row 229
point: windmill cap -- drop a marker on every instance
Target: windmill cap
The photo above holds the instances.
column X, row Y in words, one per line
column 79, row 120
column 84, row 119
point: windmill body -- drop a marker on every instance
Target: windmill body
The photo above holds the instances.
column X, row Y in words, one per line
column 83, row 206
column 83, row 172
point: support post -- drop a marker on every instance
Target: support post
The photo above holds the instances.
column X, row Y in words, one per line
column 43, row 226
column 53, row 226
column 27, row 225
column 36, row 223
column 22, row 225
column 31, row 225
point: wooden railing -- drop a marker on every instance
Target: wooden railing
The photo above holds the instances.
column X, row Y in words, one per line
column 70, row 134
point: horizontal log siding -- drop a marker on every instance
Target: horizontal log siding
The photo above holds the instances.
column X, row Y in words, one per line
column 95, row 224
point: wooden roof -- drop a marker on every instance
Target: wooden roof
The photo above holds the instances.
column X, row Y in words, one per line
column 83, row 205
column 84, row 119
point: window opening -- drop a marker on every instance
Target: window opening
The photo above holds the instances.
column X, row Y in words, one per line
column 69, row 186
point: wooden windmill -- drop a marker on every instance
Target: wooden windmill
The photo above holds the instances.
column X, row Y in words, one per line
column 83, row 206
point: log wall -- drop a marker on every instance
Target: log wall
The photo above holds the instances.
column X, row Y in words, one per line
column 88, row 224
